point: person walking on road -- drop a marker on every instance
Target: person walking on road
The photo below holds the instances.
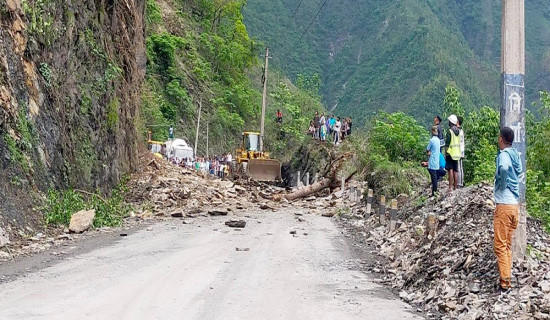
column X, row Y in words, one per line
column 434, row 152
column 453, row 152
column 506, row 192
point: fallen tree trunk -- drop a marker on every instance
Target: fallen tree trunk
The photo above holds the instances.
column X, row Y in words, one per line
column 306, row 191
column 330, row 181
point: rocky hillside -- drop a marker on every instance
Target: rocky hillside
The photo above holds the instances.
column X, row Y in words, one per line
column 70, row 83
column 398, row 55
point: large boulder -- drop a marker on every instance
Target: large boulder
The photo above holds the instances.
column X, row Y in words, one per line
column 81, row 221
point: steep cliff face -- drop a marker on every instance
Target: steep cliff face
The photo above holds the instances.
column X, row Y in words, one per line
column 70, row 88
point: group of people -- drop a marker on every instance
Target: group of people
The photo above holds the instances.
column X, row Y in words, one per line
column 446, row 153
column 322, row 127
column 509, row 169
column 218, row 166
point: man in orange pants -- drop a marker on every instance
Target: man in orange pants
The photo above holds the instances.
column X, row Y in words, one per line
column 508, row 169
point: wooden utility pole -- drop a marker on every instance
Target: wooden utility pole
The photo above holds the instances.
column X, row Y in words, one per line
column 198, row 126
column 264, row 101
column 512, row 109
column 207, row 133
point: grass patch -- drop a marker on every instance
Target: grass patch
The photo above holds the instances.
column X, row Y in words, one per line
column 61, row 205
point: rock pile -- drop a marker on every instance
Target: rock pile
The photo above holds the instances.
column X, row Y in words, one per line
column 441, row 259
column 162, row 189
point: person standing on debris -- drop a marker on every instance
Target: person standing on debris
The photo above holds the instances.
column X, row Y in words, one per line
column 349, row 127
column 506, row 193
column 171, row 133
column 434, row 152
column 323, row 132
column 311, row 129
column 462, row 149
column 437, row 122
column 316, row 125
column 332, row 123
column 453, row 152
column 279, row 115
column 337, row 127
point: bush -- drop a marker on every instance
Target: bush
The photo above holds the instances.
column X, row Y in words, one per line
column 61, row 205
column 398, row 136
column 389, row 154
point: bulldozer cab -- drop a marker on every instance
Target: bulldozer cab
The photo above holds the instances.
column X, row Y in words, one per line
column 253, row 163
column 251, row 141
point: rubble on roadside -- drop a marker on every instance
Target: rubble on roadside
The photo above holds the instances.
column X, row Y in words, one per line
column 440, row 258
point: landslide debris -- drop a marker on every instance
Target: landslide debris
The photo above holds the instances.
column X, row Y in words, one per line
column 440, row 258
column 162, row 189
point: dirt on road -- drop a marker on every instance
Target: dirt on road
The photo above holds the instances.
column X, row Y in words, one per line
column 277, row 267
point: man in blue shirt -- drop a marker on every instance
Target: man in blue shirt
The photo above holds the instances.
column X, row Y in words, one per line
column 433, row 151
column 506, row 193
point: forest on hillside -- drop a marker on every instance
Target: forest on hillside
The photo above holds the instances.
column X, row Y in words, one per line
column 398, row 55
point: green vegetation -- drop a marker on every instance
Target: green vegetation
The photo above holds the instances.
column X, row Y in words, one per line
column 389, row 153
column 200, row 51
column 61, row 205
column 398, row 55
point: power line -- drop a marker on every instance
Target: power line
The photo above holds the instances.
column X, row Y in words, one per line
column 309, row 26
column 296, row 10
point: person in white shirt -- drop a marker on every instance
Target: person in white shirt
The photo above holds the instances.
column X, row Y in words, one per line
column 337, row 129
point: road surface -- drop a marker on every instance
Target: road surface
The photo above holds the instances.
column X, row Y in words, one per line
column 193, row 271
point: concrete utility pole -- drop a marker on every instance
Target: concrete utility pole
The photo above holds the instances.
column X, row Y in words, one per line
column 198, row 126
column 264, row 101
column 512, row 110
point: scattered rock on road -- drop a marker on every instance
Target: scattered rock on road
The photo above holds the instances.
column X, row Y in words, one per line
column 81, row 221
column 218, row 212
column 236, row 223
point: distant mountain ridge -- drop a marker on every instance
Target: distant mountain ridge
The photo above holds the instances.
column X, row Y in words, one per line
column 398, row 55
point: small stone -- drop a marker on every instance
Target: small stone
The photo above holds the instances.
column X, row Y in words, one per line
column 177, row 214
column 544, row 286
column 188, row 221
column 236, row 223
column 218, row 212
column 242, row 249
column 293, row 232
column 150, row 229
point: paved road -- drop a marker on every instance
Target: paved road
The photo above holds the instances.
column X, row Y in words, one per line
column 193, row 271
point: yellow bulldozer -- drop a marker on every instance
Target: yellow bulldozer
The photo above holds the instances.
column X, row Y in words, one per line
column 252, row 162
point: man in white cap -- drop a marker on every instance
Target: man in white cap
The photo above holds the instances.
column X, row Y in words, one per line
column 453, row 151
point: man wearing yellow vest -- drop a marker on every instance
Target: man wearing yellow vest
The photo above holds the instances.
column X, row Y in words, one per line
column 454, row 152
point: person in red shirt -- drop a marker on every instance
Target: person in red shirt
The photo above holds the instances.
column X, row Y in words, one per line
column 279, row 115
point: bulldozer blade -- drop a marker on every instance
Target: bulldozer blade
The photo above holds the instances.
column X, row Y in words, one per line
column 264, row 169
